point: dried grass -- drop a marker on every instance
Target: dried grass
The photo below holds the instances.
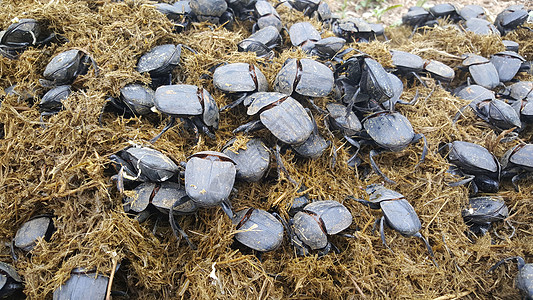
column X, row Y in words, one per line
column 63, row 169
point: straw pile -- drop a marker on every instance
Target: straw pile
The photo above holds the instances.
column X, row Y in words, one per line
column 63, row 169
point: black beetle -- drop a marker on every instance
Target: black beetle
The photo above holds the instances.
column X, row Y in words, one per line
column 209, row 178
column 179, row 13
column 266, row 15
column 511, row 18
column 482, row 70
column 309, row 228
column 214, row 11
column 398, row 213
column 330, row 48
column 167, row 197
column 510, row 45
column 261, row 42
column 475, row 93
column 482, row 211
column 521, row 95
column 22, row 34
column 83, row 284
column 193, row 104
column 51, row 103
column 407, row 63
column 445, row 11
column 507, row 63
column 282, row 115
column 10, row 281
column 524, row 278
column 417, row 17
column 391, row 132
column 517, row 163
column 160, row 61
column 480, row 26
column 251, row 160
column 497, row 113
column 258, row 229
column 304, row 77
column 439, row 70
column 142, row 164
column 472, row 11
column 28, row 234
column 135, row 100
column 357, row 30
column 66, row 66
column 304, row 35
column 314, row 146
column 240, row 79
column 476, row 161
column 159, row 195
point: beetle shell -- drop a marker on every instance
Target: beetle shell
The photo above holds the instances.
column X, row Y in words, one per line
column 208, row 10
column 439, row 70
column 209, row 178
column 330, row 46
column 261, row 231
column 507, row 64
column 150, row 163
column 524, row 281
column 336, row 217
column 28, row 234
column 401, row 216
column 307, row 228
column 443, row 10
column 160, row 60
column 268, row 36
column 341, row 119
column 23, row 32
column 378, row 193
column 52, row 100
column 376, row 81
column 82, row 285
column 138, row 98
column 482, row 70
column 168, row 194
column 407, row 62
column 10, row 280
column 313, row 147
column 484, row 210
column 239, row 77
column 522, row 90
column 498, row 113
column 178, row 100
column 288, row 121
column 303, row 32
column 481, row 27
column 251, row 163
column 312, row 78
column 391, row 131
column 510, row 18
column 211, row 112
column 472, row 11
column 475, row 93
column 267, row 15
column 63, row 67
column 140, row 197
column 519, row 156
column 472, row 158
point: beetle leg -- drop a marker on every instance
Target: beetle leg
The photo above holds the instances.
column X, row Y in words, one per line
column 326, row 249
column 200, row 125
column 382, row 233
column 175, row 227
column 375, row 166
column 313, row 105
column 281, row 166
column 226, row 207
column 430, row 250
column 372, row 205
column 519, row 261
column 417, row 137
column 235, row 103
column 249, row 127
column 169, row 125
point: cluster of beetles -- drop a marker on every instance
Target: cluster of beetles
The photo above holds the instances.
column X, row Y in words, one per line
column 363, row 113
